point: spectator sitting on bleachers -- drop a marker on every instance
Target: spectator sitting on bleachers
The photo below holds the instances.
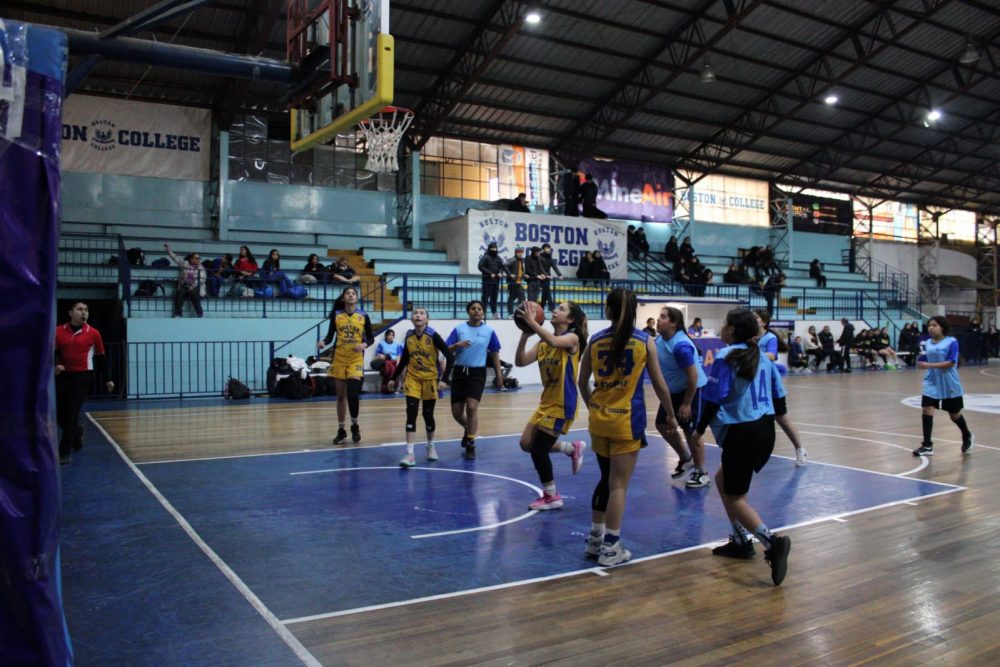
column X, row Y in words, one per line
column 599, row 269
column 388, row 352
column 313, row 271
column 222, row 270
column 864, row 346
column 816, row 272
column 588, row 197
column 190, row 281
column 670, row 251
column 342, row 272
column 272, row 273
column 880, row 344
column 909, row 341
column 686, row 250
column 733, row 275
column 641, row 244
column 681, row 274
column 245, row 266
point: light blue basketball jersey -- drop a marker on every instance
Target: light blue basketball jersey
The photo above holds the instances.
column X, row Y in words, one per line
column 768, row 343
column 942, row 382
column 676, row 356
column 740, row 400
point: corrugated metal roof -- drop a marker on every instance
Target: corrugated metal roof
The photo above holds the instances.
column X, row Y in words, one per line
column 623, row 78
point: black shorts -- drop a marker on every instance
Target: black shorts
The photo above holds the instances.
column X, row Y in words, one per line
column 745, row 450
column 676, row 400
column 949, row 405
column 467, row 382
column 780, row 406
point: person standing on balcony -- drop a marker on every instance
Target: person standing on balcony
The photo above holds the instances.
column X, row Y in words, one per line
column 515, row 271
column 353, row 331
column 534, row 272
column 190, row 282
column 548, row 265
column 79, row 351
column 491, row 267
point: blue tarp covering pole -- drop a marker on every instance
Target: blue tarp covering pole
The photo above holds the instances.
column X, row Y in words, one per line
column 32, row 70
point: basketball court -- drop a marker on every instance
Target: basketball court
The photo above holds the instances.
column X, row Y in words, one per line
column 292, row 547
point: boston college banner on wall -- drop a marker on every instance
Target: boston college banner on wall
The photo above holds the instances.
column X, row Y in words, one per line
column 135, row 138
column 466, row 238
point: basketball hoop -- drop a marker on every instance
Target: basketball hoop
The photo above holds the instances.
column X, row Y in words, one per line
column 383, row 132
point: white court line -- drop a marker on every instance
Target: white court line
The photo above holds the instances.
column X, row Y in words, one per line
column 901, row 435
column 985, row 371
column 159, row 413
column 599, row 572
column 466, row 472
column 293, row 643
column 838, row 519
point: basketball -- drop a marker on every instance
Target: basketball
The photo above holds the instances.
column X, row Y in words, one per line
column 532, row 308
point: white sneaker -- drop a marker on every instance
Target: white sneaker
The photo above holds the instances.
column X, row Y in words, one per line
column 407, row 461
column 801, row 456
column 576, row 456
column 698, row 479
column 432, row 454
column 615, row 554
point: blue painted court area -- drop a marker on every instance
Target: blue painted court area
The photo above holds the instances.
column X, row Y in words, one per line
column 324, row 532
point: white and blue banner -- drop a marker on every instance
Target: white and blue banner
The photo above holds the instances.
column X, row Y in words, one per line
column 110, row 136
column 466, row 238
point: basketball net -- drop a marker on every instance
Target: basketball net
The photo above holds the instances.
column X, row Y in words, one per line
column 383, row 132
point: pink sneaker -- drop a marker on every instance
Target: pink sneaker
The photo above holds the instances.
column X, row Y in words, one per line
column 576, row 455
column 547, row 502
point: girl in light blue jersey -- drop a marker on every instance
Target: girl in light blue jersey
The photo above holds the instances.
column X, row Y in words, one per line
column 738, row 402
column 768, row 344
column 681, row 366
column 942, row 388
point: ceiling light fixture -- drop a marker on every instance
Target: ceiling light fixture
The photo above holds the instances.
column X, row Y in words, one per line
column 533, row 17
column 707, row 74
column 969, row 54
column 831, row 99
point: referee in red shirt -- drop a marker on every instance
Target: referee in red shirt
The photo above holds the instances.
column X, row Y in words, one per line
column 77, row 345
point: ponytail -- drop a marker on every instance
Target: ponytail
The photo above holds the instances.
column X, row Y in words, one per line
column 579, row 326
column 621, row 307
column 745, row 329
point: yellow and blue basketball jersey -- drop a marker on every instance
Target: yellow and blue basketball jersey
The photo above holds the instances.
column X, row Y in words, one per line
column 617, row 406
column 559, row 370
column 423, row 355
column 348, row 363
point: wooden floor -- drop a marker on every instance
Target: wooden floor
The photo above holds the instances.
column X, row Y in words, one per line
column 907, row 584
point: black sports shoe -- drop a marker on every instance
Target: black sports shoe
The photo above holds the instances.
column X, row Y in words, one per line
column 734, row 549
column 927, row 449
column 355, row 433
column 967, row 443
column 777, row 557
column 470, row 450
column 341, row 437
column 681, row 468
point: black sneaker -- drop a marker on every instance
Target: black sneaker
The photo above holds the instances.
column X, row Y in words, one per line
column 341, row 437
column 734, row 549
column 927, row 449
column 355, row 433
column 681, row 468
column 470, row 450
column 65, row 459
column 777, row 557
column 967, row 443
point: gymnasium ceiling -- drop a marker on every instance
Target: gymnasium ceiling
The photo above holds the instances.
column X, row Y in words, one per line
column 623, row 79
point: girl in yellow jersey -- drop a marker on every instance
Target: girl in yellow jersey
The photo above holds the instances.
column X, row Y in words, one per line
column 618, row 358
column 420, row 361
column 353, row 331
column 558, row 356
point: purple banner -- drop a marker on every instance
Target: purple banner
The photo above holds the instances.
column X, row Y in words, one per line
column 632, row 190
column 708, row 347
column 32, row 627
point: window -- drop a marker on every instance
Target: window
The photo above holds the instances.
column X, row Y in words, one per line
column 474, row 170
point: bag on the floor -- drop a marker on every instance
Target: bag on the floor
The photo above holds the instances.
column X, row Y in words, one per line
column 511, row 383
column 293, row 387
column 236, row 390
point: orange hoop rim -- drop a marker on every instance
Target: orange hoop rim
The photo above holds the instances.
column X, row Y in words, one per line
column 388, row 110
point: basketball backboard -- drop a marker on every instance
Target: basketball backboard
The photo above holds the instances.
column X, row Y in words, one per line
column 346, row 55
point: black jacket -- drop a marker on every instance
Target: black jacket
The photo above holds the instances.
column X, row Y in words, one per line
column 533, row 266
column 585, row 270
column 599, row 269
column 489, row 265
column 510, row 268
column 549, row 265
column 846, row 339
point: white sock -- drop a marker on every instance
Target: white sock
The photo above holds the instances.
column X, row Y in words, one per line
column 597, row 529
column 549, row 489
column 565, row 447
column 409, row 449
